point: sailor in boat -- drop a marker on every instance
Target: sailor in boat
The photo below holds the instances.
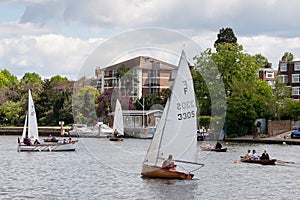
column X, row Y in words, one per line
column 248, row 154
column 168, row 164
column 218, row 145
column 254, row 155
column 116, row 133
column 36, row 141
column 27, row 141
column 265, row 155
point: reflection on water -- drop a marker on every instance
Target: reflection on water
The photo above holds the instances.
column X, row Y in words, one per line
column 100, row 169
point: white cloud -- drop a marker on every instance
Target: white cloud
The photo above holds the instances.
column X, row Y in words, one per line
column 15, row 29
column 247, row 17
column 271, row 47
column 47, row 55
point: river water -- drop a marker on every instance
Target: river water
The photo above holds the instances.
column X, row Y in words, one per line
column 100, row 169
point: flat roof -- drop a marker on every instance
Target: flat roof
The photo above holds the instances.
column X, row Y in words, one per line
column 137, row 112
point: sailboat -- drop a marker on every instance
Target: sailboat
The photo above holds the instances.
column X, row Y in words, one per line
column 30, row 141
column 118, row 125
column 176, row 132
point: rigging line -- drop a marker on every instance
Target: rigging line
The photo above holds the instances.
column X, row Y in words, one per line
column 194, row 163
column 197, row 168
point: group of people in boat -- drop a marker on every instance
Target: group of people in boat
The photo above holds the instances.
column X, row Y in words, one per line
column 51, row 138
column 254, row 156
column 28, row 141
column 65, row 141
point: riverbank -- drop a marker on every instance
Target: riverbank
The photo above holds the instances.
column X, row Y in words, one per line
column 43, row 131
column 284, row 138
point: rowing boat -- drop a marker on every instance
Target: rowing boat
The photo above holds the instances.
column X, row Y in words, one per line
column 263, row 162
column 214, row 149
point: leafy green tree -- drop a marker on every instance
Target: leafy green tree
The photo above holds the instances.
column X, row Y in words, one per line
column 31, row 78
column 58, row 78
column 8, row 80
column 84, row 105
column 248, row 98
column 287, row 56
column 103, row 103
column 149, row 100
column 54, row 104
column 261, row 61
column 11, row 110
column 3, row 80
column 226, row 35
column 289, row 109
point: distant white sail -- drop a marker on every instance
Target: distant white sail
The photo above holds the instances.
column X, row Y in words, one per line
column 118, row 119
column 32, row 120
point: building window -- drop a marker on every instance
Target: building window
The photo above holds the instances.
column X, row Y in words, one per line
column 297, row 66
column 270, row 74
column 153, row 90
column 114, row 72
column 115, row 82
column 129, row 122
column 295, row 78
column 283, row 67
column 138, row 122
column 98, row 83
column 295, row 90
column 282, row 78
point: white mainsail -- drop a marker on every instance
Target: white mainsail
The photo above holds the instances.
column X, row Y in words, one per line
column 32, row 121
column 118, row 119
column 24, row 129
column 176, row 133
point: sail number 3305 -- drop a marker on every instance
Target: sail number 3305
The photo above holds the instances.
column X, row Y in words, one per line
column 184, row 106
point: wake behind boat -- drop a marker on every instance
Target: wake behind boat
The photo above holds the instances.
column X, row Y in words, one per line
column 31, row 142
column 175, row 134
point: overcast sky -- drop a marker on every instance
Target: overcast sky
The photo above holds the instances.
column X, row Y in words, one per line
column 53, row 37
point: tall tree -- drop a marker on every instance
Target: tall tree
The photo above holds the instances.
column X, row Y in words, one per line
column 226, row 35
column 248, row 97
column 31, row 78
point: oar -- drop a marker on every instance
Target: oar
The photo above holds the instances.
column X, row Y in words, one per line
column 239, row 161
column 284, row 162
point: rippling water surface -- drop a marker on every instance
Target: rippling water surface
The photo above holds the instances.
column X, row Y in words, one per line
column 100, row 169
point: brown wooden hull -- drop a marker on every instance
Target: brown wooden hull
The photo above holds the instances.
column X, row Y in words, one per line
column 116, row 139
column 216, row 150
column 263, row 162
column 219, row 150
column 157, row 172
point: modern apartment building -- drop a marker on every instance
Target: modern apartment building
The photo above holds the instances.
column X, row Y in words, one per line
column 289, row 73
column 146, row 76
